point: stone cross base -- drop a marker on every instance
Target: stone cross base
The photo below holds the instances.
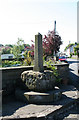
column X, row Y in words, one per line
column 39, row 98
column 39, row 81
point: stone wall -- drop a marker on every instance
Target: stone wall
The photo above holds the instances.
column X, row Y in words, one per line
column 11, row 76
column 63, row 71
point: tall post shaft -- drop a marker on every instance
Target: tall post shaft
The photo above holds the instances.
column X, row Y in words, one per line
column 38, row 54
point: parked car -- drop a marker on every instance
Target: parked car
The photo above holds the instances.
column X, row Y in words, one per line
column 63, row 58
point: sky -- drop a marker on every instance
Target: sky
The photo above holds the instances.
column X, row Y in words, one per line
column 25, row 18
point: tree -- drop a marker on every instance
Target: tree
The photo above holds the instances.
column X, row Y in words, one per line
column 76, row 50
column 29, row 49
column 68, row 46
column 18, row 48
column 9, row 45
column 51, row 43
column 5, row 50
column 32, row 50
column 26, row 47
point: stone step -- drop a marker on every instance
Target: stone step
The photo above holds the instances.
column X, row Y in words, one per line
column 55, row 111
column 58, row 114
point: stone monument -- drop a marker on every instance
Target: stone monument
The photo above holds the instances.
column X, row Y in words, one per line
column 38, row 54
column 40, row 82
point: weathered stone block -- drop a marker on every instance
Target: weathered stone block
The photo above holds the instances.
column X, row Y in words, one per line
column 39, row 81
column 63, row 71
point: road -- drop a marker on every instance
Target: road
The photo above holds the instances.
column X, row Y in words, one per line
column 74, row 75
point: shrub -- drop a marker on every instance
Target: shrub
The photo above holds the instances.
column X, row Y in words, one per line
column 55, row 72
column 8, row 63
column 27, row 61
column 71, row 55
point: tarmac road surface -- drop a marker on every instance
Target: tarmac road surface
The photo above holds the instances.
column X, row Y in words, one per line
column 74, row 75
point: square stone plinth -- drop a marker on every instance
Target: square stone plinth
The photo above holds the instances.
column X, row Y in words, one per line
column 37, row 97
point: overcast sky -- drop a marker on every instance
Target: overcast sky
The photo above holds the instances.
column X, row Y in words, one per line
column 25, row 18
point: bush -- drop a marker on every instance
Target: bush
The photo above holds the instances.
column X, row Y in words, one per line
column 55, row 72
column 5, row 63
column 71, row 55
column 8, row 63
column 27, row 61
